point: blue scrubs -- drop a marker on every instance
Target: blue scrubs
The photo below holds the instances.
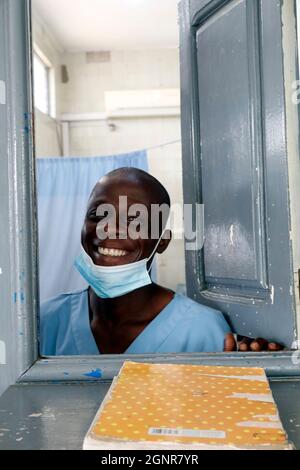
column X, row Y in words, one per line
column 183, row 326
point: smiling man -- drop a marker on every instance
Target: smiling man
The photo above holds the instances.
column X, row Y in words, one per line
column 122, row 310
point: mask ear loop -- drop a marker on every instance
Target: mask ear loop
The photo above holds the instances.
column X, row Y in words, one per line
column 153, row 254
column 155, row 248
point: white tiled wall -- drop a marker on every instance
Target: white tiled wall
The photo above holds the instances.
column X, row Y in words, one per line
column 126, row 70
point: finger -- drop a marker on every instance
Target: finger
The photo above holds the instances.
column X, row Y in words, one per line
column 275, row 347
column 230, row 343
column 244, row 345
column 259, row 344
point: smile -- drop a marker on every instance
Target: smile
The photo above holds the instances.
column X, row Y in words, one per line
column 112, row 252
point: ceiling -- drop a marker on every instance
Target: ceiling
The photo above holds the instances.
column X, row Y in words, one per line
column 95, row 25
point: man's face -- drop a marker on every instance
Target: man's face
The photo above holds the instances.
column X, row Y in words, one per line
column 119, row 247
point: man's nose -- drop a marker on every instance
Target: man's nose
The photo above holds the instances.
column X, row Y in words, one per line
column 117, row 232
column 113, row 231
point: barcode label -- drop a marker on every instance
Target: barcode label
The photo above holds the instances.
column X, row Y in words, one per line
column 187, row 433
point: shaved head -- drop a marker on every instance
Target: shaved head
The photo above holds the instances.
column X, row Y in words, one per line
column 156, row 192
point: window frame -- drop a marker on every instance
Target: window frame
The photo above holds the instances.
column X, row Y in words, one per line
column 51, row 105
column 20, row 274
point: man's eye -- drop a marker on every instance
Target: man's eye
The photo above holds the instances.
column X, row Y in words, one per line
column 131, row 218
column 93, row 216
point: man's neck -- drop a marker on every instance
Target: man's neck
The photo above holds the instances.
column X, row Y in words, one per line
column 132, row 307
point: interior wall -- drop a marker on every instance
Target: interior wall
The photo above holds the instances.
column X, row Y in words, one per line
column 118, row 70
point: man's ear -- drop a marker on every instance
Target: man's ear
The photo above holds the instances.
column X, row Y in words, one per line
column 164, row 243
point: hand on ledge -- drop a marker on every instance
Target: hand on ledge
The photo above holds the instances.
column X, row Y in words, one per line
column 250, row 345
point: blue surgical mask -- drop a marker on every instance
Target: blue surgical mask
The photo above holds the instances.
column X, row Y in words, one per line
column 114, row 281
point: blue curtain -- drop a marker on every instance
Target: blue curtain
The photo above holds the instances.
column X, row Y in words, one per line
column 64, row 186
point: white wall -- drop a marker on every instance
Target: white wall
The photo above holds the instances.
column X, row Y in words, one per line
column 126, row 70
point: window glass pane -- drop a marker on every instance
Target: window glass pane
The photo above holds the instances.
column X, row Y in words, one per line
column 41, row 85
column 117, row 101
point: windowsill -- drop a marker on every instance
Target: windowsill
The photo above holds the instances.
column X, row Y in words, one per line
column 59, row 416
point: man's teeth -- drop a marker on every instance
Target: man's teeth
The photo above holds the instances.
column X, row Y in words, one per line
column 111, row 252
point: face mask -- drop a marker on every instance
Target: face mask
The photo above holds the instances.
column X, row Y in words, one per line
column 114, row 281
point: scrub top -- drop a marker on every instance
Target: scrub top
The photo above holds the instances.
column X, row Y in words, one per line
column 183, row 326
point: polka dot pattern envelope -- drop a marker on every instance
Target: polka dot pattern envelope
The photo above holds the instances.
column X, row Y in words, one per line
column 171, row 406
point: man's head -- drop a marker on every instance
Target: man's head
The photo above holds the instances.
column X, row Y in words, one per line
column 133, row 196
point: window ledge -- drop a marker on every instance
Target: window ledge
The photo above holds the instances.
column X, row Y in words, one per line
column 104, row 368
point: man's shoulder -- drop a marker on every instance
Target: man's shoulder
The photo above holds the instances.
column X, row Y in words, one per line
column 200, row 315
column 61, row 303
column 194, row 308
column 195, row 327
column 55, row 324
